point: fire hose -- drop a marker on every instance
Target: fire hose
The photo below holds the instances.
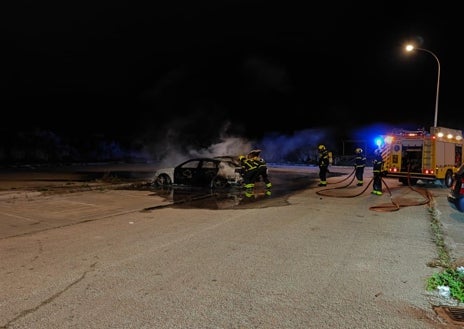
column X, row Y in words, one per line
column 394, row 204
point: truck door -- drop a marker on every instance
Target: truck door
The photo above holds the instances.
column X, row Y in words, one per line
column 458, row 156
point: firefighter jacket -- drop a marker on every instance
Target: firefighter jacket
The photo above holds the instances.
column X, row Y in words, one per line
column 360, row 161
column 377, row 164
column 248, row 164
column 259, row 162
column 323, row 160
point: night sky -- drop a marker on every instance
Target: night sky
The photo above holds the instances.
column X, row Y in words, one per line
column 139, row 72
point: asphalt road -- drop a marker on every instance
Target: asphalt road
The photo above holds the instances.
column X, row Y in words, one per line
column 79, row 254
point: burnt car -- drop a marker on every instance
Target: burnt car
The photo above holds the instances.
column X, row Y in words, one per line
column 212, row 172
column 456, row 195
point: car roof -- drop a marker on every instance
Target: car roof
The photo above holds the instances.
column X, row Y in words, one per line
column 214, row 159
column 231, row 159
column 203, row 159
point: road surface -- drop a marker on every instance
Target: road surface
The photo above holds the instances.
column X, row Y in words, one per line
column 96, row 256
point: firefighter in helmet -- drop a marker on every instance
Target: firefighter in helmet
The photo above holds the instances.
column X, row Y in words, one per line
column 261, row 172
column 377, row 171
column 359, row 164
column 249, row 170
column 323, row 162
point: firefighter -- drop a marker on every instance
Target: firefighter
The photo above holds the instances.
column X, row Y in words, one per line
column 249, row 171
column 359, row 164
column 323, row 162
column 261, row 172
column 377, row 171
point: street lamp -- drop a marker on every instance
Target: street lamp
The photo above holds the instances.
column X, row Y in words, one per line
column 411, row 48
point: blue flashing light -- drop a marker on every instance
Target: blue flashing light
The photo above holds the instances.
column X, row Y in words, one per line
column 379, row 141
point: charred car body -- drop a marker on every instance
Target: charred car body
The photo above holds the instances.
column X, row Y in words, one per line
column 214, row 172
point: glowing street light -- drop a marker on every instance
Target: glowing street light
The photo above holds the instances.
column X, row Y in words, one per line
column 411, row 48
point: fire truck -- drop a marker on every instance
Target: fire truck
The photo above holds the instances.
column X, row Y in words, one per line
column 420, row 155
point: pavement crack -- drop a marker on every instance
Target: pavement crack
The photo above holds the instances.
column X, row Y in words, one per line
column 48, row 300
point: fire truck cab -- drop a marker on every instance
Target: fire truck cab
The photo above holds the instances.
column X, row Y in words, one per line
column 420, row 155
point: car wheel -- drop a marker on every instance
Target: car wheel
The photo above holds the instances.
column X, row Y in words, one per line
column 219, row 182
column 449, row 178
column 163, row 180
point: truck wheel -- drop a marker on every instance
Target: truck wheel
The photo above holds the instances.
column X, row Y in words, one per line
column 449, row 178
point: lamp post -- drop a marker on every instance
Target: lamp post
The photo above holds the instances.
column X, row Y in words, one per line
column 410, row 48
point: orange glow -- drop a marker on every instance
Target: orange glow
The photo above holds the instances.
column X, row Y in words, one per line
column 389, row 139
